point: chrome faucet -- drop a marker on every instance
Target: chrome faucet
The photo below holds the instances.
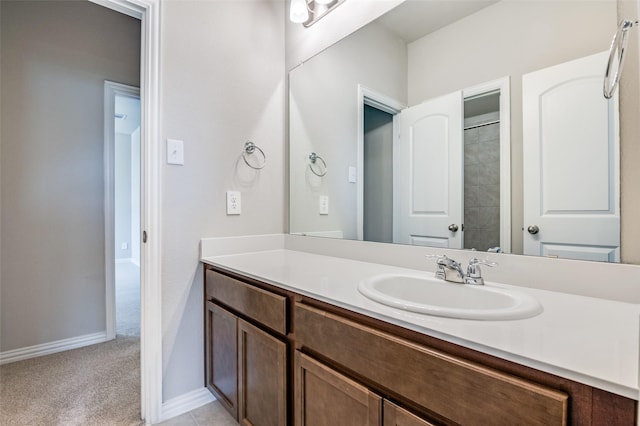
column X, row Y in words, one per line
column 450, row 270
column 474, row 274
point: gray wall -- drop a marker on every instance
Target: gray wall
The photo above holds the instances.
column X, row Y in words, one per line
column 55, row 58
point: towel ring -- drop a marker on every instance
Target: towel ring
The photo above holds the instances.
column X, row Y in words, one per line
column 619, row 43
column 314, row 157
column 250, row 149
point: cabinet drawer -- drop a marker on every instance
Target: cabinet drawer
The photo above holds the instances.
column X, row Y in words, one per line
column 265, row 307
column 464, row 392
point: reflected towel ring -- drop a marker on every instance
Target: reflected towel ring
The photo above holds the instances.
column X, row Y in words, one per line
column 619, row 44
column 250, row 149
column 314, row 157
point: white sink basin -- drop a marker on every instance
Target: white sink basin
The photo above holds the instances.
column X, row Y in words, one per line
column 425, row 295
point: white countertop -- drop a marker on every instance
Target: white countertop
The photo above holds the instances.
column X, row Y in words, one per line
column 585, row 339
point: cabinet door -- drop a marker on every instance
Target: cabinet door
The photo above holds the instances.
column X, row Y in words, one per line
column 221, row 355
column 325, row 397
column 396, row 416
column 263, row 374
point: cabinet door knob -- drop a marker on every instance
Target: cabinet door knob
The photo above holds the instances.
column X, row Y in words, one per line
column 533, row 229
column 453, row 227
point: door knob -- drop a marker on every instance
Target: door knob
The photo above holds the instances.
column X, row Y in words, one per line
column 453, row 227
column 533, row 229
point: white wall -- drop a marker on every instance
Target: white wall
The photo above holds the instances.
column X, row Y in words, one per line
column 122, row 195
column 440, row 62
column 324, row 109
column 222, row 84
column 135, row 196
column 55, row 58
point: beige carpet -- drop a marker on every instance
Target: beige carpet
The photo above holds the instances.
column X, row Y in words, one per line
column 94, row 385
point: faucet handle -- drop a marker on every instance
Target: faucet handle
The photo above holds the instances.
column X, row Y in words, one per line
column 475, row 261
column 444, row 261
column 474, row 274
column 441, row 261
column 435, row 256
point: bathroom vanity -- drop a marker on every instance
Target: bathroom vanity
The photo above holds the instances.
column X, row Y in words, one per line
column 282, row 349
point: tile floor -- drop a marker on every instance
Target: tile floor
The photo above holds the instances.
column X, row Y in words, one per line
column 211, row 414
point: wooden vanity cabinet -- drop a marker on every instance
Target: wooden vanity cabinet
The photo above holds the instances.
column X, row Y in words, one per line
column 325, row 397
column 262, row 375
column 245, row 356
column 221, row 356
column 454, row 390
column 275, row 357
column 396, row 416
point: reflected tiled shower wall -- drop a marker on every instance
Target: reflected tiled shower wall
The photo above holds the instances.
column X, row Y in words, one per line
column 481, row 183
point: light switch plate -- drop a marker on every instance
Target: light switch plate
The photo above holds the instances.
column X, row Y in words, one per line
column 324, row 204
column 175, row 152
column 234, row 202
column 353, row 174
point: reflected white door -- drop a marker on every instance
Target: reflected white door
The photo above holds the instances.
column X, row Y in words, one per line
column 571, row 163
column 428, row 173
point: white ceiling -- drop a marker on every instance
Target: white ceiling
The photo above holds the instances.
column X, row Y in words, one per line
column 414, row 19
column 130, row 107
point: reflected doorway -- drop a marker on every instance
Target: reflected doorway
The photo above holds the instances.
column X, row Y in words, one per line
column 378, row 175
column 481, row 146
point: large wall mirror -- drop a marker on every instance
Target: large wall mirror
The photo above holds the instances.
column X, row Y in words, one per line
column 463, row 124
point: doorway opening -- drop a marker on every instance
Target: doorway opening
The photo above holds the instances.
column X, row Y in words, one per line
column 443, row 192
column 378, row 175
column 148, row 12
column 122, row 208
column 487, row 166
column 374, row 171
column 481, row 147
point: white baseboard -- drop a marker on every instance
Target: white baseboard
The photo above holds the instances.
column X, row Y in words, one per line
column 52, row 347
column 186, row 402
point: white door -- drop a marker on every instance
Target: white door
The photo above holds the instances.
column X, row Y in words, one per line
column 571, row 163
column 428, row 174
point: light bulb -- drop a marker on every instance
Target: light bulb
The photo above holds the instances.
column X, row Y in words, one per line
column 298, row 12
column 323, row 1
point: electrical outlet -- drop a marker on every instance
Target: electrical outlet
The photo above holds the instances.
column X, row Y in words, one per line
column 324, row 204
column 234, row 202
column 124, row 246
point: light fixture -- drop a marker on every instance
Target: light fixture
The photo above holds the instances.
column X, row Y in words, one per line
column 308, row 12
